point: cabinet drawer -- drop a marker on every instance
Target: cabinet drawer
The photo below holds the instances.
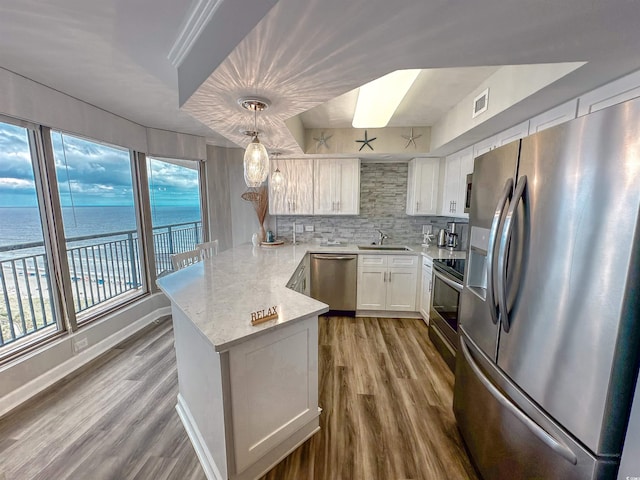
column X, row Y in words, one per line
column 372, row 260
column 402, row 260
column 427, row 262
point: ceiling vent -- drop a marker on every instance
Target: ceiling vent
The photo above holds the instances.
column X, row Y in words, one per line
column 480, row 103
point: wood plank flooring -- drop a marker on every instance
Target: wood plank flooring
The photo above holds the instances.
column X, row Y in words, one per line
column 386, row 397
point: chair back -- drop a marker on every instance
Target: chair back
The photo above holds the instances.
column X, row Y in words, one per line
column 184, row 259
column 208, row 249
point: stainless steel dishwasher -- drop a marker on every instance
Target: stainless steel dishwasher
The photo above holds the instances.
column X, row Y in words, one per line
column 333, row 280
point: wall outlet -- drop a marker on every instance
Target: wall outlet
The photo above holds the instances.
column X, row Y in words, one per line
column 308, row 228
column 299, row 228
column 80, row 344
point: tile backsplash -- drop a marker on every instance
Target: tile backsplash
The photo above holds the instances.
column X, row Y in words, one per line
column 383, row 200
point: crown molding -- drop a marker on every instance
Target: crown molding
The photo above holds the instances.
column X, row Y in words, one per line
column 197, row 18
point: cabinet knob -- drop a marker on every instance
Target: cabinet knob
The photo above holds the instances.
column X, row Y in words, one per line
column 389, row 277
column 417, row 206
column 385, row 277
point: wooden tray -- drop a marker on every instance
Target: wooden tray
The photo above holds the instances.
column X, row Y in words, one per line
column 275, row 243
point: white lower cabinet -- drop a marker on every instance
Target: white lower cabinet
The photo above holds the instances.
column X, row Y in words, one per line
column 426, row 287
column 387, row 282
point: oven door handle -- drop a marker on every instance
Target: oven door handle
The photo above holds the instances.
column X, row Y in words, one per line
column 455, row 285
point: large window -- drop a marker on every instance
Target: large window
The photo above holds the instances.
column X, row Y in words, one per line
column 26, row 292
column 95, row 183
column 174, row 193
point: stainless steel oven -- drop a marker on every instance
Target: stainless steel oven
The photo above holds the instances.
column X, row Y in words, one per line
column 445, row 298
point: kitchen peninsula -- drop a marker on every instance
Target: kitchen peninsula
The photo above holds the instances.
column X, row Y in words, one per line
column 248, row 395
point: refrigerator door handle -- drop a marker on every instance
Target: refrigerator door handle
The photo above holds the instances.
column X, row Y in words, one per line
column 554, row 444
column 493, row 235
column 502, row 252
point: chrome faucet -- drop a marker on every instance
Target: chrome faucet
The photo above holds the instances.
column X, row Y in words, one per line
column 382, row 237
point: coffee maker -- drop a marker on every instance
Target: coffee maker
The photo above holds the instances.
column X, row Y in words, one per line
column 456, row 235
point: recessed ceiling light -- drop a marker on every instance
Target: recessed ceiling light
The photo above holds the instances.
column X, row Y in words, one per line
column 379, row 99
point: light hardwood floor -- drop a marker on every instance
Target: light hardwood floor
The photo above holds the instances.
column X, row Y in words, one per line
column 386, row 397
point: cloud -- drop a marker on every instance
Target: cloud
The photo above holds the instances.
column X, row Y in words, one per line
column 90, row 172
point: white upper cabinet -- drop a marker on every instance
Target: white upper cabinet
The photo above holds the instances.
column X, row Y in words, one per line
column 336, row 186
column 295, row 195
column 457, row 167
column 555, row 116
column 422, row 186
column 618, row 91
column 507, row 136
column 511, row 134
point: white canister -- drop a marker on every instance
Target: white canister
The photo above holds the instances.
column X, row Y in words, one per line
column 254, row 240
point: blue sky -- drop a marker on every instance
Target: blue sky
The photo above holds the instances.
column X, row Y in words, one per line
column 88, row 174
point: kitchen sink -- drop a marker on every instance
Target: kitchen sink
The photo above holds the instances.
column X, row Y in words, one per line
column 385, row 247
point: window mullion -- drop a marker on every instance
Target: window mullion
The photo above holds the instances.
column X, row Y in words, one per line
column 56, row 244
column 204, row 202
column 143, row 213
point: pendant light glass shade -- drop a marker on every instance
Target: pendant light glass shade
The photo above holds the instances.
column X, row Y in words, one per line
column 277, row 180
column 256, row 163
column 256, row 158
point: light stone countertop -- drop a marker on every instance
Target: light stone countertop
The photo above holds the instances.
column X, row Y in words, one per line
column 219, row 294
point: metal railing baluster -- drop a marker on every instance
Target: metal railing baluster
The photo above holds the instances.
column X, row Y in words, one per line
column 19, row 297
column 28, row 284
column 44, row 310
column 116, row 262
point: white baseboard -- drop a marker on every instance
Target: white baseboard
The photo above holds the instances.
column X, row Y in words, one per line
column 57, row 373
column 202, row 452
column 387, row 314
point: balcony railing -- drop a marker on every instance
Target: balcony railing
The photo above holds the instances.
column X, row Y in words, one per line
column 101, row 267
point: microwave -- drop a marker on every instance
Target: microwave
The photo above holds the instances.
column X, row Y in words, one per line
column 467, row 198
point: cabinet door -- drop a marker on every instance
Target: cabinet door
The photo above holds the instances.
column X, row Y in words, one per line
column 371, row 288
column 411, row 187
column 512, row 134
column 323, row 197
column 427, row 191
column 484, row 146
column 300, row 190
column 451, row 185
column 346, row 178
column 422, row 186
column 425, row 294
column 555, row 116
column 401, row 289
column 612, row 93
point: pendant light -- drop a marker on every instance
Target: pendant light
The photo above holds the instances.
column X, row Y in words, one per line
column 256, row 158
column 277, row 179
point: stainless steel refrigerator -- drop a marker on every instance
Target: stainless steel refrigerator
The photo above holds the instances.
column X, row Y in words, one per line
column 550, row 309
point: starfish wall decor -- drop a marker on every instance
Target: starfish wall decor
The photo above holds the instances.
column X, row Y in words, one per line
column 322, row 141
column 366, row 141
column 411, row 139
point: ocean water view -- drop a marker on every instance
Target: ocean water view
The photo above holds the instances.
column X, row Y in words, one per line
column 22, row 224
